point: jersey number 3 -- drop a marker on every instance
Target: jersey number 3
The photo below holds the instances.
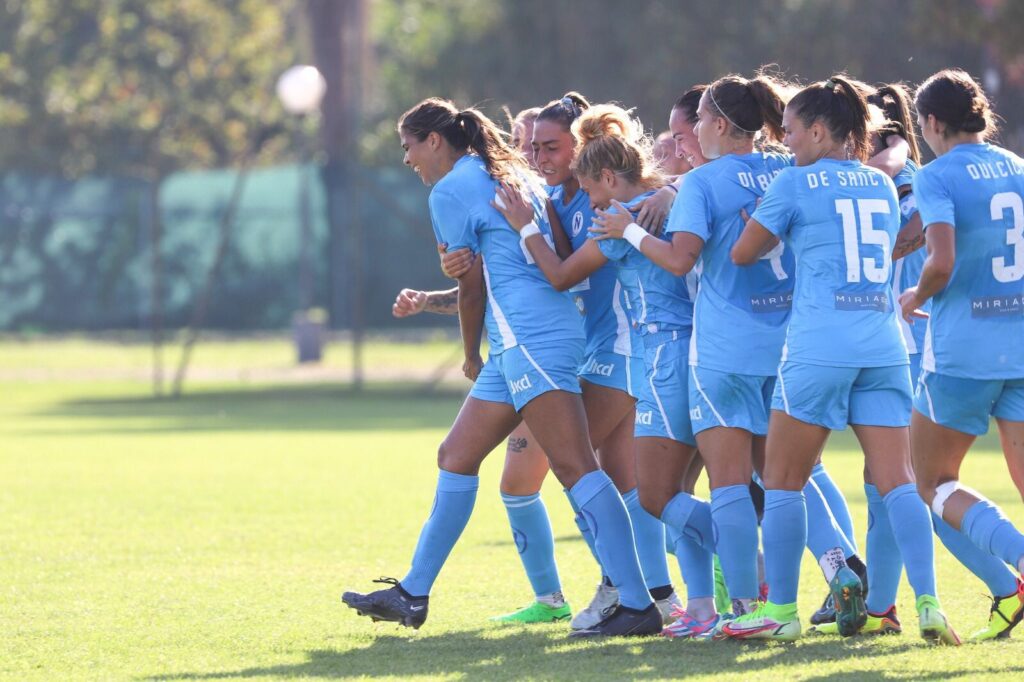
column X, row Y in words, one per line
column 862, row 212
column 1002, row 202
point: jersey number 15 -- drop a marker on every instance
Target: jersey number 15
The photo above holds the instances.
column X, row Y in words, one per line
column 861, row 212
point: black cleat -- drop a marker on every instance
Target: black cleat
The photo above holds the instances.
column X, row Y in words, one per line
column 623, row 621
column 827, row 613
column 391, row 604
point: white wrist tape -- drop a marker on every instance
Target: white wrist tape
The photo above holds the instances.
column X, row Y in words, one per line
column 634, row 234
column 528, row 230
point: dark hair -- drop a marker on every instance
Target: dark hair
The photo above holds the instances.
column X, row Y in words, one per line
column 894, row 101
column 956, row 99
column 840, row 105
column 466, row 130
column 750, row 105
column 565, row 110
column 689, row 101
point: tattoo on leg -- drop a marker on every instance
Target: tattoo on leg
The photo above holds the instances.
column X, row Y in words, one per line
column 516, row 444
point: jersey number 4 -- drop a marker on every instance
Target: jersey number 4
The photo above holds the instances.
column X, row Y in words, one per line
column 1002, row 202
column 861, row 213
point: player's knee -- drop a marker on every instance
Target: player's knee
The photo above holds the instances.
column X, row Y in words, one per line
column 453, row 460
column 937, row 496
column 653, row 500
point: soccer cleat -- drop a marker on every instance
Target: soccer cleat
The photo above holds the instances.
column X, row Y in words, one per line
column 827, row 612
column 722, row 601
column 848, row 599
column 768, row 621
column 876, row 624
column 391, row 604
column 667, row 607
column 622, row 621
column 537, row 612
column 685, row 626
column 1005, row 614
column 934, row 626
column 604, row 599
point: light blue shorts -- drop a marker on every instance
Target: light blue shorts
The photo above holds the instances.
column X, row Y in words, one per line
column 738, row 401
column 613, row 370
column 518, row 375
column 663, row 406
column 966, row 404
column 836, row 396
column 915, row 368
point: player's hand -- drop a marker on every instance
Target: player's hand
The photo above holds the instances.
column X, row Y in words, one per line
column 654, row 209
column 409, row 302
column 472, row 366
column 514, row 206
column 457, row 263
column 910, row 305
column 609, row 225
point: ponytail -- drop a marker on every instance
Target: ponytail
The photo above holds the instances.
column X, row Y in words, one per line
column 750, row 106
column 840, row 105
column 608, row 137
column 894, row 101
column 466, row 130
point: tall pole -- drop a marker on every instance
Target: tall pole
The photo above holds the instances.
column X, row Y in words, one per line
column 339, row 47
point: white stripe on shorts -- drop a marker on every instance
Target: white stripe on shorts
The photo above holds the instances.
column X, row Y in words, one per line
column 927, row 396
column 696, row 382
column 654, row 392
column 782, row 389
column 537, row 367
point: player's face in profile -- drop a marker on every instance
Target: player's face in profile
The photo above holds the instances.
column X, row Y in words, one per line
column 798, row 138
column 598, row 189
column 420, row 156
column 687, row 146
column 706, row 129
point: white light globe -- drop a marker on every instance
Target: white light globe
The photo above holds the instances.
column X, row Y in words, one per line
column 301, row 88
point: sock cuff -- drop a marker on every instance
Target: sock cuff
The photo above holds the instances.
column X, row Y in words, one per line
column 678, row 510
column 817, row 469
column 872, row 492
column 971, row 516
column 515, row 501
column 780, row 498
column 631, row 496
column 588, row 487
column 728, row 494
column 899, row 491
column 448, row 482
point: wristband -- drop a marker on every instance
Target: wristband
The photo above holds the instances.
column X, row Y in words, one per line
column 528, row 230
column 634, row 234
column 672, row 187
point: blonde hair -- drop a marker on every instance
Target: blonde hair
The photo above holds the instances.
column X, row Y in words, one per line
column 607, row 136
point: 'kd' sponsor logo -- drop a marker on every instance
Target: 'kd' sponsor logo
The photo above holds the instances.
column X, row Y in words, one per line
column 595, row 367
column 695, row 414
column 645, row 418
column 521, row 384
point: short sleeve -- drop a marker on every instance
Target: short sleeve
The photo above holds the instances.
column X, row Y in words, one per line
column 613, row 249
column 778, row 205
column 453, row 223
column 933, row 198
column 691, row 211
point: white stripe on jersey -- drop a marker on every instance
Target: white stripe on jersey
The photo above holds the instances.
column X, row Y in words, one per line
column 508, row 337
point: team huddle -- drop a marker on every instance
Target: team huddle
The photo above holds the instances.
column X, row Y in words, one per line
column 788, row 269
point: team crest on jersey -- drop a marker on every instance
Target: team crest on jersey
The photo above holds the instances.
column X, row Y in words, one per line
column 577, row 222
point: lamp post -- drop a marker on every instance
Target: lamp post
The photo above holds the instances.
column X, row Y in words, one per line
column 300, row 89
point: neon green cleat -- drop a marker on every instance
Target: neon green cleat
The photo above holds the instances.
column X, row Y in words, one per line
column 537, row 612
column 778, row 622
column 848, row 600
column 934, row 626
column 723, row 603
column 1006, row 613
column 884, row 624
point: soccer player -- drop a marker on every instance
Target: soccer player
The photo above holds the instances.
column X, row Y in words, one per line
column 536, row 342
column 844, row 361
column 971, row 200
column 614, row 163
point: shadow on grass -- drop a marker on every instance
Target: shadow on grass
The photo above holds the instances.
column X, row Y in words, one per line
column 277, row 408
column 544, row 653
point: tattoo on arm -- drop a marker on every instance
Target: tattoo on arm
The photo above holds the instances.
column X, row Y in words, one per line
column 907, row 246
column 517, row 444
column 443, row 302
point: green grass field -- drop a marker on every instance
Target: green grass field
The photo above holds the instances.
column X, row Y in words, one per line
column 211, row 537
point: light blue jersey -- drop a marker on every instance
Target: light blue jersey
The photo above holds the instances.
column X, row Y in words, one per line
column 740, row 315
column 976, row 329
column 659, row 301
column 599, row 297
column 907, row 270
column 522, row 307
column 840, row 219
